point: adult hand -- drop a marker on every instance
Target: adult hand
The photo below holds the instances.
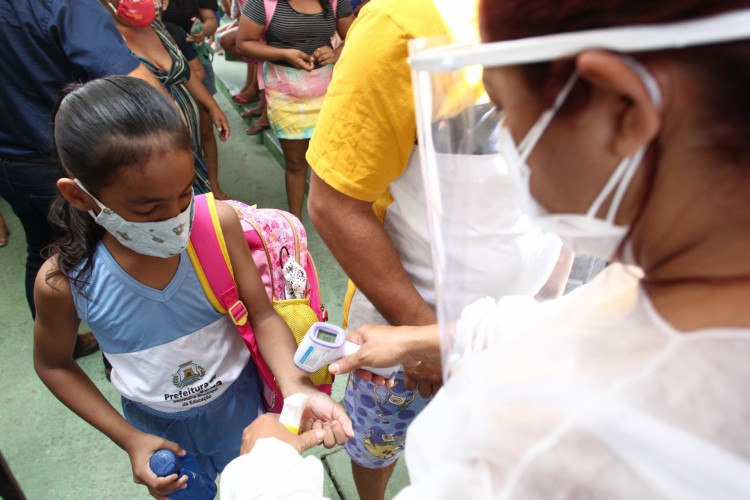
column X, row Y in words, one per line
column 325, row 414
column 268, row 425
column 325, row 55
column 427, row 377
column 299, row 59
column 380, row 347
column 140, row 450
column 221, row 123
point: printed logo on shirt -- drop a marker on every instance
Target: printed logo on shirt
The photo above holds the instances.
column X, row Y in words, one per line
column 187, row 374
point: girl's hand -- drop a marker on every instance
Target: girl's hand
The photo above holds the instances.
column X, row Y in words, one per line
column 220, row 122
column 140, row 451
column 324, row 414
column 299, row 59
column 325, row 55
column 268, row 425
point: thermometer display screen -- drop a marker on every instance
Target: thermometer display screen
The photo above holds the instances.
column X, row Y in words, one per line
column 326, row 336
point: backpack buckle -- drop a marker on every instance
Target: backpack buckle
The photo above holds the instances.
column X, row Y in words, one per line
column 238, row 313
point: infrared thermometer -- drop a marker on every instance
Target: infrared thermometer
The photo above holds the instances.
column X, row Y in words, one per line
column 325, row 343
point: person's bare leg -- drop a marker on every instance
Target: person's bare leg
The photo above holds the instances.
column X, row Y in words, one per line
column 4, row 232
column 211, row 154
column 371, row 483
column 296, row 173
column 249, row 90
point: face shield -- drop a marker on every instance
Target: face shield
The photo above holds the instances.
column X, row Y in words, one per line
column 482, row 243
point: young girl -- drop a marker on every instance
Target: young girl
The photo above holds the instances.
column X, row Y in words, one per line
column 186, row 379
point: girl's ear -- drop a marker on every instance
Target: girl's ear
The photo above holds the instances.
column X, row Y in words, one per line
column 76, row 196
column 640, row 121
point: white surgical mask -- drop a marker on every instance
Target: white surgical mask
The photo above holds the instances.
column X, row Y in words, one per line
column 583, row 233
column 165, row 238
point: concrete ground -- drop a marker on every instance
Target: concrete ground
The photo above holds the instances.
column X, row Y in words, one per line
column 52, row 453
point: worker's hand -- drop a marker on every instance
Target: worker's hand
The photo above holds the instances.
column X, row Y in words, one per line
column 299, row 59
column 325, row 414
column 268, row 426
column 380, row 347
column 140, row 449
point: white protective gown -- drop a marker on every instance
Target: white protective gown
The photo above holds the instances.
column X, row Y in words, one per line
column 592, row 396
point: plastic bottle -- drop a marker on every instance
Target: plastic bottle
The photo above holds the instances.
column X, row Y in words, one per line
column 199, row 485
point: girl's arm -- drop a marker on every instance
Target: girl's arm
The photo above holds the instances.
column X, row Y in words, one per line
column 205, row 99
column 275, row 339
column 248, row 44
column 55, row 330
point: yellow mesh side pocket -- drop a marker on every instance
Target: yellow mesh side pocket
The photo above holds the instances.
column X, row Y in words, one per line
column 298, row 314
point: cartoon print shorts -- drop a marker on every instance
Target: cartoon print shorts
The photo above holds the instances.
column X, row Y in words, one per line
column 380, row 417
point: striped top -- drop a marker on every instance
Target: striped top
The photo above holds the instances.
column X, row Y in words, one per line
column 290, row 29
column 175, row 81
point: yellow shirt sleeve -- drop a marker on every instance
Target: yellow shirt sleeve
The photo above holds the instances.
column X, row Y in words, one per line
column 367, row 129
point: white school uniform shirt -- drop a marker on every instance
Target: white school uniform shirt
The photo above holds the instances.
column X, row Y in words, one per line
column 592, row 395
column 169, row 349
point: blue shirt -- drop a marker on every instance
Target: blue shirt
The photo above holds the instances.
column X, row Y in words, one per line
column 48, row 44
column 169, row 349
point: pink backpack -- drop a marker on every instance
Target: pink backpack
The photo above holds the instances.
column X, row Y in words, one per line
column 274, row 237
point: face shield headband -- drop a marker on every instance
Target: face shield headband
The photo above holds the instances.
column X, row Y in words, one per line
column 721, row 28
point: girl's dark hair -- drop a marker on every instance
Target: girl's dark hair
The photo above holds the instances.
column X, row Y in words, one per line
column 101, row 127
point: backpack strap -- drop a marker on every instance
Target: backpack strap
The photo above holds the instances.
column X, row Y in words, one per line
column 210, row 258
column 335, row 7
column 270, row 6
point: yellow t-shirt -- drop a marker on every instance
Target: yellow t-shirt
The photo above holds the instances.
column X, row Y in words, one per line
column 367, row 128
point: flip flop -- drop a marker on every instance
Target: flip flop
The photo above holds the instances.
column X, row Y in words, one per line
column 251, row 112
column 257, row 128
column 239, row 99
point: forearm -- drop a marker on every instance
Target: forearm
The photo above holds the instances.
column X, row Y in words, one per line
column 277, row 346
column 423, row 343
column 210, row 24
column 76, row 391
column 200, row 93
column 261, row 51
column 355, row 236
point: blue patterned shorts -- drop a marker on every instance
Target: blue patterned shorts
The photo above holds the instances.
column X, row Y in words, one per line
column 380, row 417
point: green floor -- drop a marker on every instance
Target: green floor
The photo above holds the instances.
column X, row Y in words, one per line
column 53, row 453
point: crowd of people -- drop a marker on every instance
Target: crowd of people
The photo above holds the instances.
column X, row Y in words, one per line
column 628, row 387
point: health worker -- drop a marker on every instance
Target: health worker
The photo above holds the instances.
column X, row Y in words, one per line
column 625, row 125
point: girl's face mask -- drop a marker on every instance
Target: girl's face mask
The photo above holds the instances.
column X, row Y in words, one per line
column 165, row 238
